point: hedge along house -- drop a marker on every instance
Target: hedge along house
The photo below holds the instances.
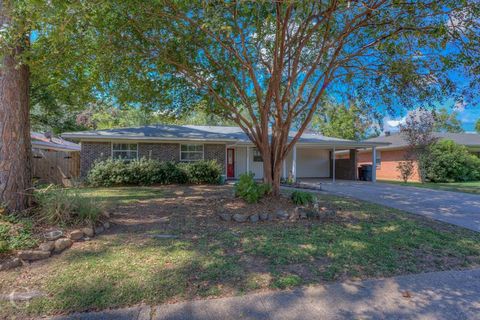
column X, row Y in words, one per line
column 389, row 156
column 311, row 157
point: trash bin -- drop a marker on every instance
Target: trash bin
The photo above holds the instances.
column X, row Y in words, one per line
column 367, row 172
column 223, row 179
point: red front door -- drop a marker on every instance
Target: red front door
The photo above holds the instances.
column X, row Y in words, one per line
column 230, row 163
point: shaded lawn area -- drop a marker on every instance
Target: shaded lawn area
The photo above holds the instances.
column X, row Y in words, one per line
column 212, row 258
column 467, row 187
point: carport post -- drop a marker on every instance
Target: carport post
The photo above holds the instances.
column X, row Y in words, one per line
column 333, row 164
column 294, row 163
column 374, row 164
column 248, row 159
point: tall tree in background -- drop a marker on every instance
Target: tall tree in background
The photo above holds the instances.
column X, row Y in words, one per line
column 339, row 121
column 447, row 122
column 15, row 145
column 477, row 126
column 264, row 65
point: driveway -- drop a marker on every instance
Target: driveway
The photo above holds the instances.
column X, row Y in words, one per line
column 461, row 209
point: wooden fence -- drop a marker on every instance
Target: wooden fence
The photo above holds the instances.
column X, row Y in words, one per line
column 58, row 167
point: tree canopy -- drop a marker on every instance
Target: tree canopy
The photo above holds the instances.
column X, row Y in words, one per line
column 263, row 65
column 447, row 122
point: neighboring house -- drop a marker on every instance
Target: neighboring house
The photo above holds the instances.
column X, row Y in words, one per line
column 229, row 146
column 55, row 160
column 388, row 157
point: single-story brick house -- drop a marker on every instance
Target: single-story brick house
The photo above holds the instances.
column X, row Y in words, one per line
column 310, row 158
column 389, row 156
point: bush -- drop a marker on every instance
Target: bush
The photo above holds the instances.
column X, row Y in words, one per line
column 146, row 172
column 407, row 169
column 249, row 190
column 58, row 205
column 450, row 162
column 302, row 198
column 205, row 172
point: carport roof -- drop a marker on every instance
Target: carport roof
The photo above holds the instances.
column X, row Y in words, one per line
column 235, row 135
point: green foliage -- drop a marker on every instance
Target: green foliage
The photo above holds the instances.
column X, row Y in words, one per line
column 449, row 162
column 15, row 233
column 302, row 198
column 477, row 126
column 57, row 205
column 147, row 172
column 447, row 122
column 250, row 190
column 339, row 121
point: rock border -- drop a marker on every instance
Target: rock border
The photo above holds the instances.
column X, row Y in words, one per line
column 313, row 212
column 49, row 247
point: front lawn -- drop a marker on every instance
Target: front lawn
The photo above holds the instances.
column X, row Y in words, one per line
column 467, row 187
column 209, row 258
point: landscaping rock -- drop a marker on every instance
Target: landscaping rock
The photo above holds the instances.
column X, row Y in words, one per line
column 47, row 246
column 76, row 235
column 21, row 296
column 302, row 213
column 62, row 244
column 88, row 232
column 254, row 218
column 10, row 264
column 99, row 229
column 53, row 235
column 32, row 255
column 164, row 236
column 225, row 216
column 272, row 216
column 106, row 225
column 240, row 217
column 263, row 216
column 312, row 214
column 282, row 214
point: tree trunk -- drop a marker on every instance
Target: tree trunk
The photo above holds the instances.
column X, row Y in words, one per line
column 15, row 144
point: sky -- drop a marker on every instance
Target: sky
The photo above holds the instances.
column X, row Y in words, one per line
column 467, row 114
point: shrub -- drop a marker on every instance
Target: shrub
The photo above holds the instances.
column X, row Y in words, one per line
column 249, row 190
column 58, row 205
column 406, row 169
column 302, row 198
column 449, row 162
column 208, row 171
column 146, row 172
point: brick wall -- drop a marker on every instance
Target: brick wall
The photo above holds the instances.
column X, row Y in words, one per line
column 92, row 151
column 387, row 170
column 159, row 151
column 346, row 167
column 215, row 152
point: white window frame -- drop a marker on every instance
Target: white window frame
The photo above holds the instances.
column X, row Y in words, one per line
column 255, row 150
column 118, row 150
column 192, row 144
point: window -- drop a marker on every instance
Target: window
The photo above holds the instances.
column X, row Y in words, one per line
column 378, row 158
column 125, row 151
column 191, row 152
column 257, row 157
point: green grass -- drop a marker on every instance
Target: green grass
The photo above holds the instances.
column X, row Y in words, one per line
column 363, row 241
column 15, row 234
column 467, row 187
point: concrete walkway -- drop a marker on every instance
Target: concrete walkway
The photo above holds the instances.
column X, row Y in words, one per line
column 457, row 208
column 437, row 295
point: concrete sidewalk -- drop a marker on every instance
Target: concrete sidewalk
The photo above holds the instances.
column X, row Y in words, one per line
column 437, row 295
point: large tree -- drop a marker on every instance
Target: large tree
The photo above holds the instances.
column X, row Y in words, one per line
column 264, row 65
column 15, row 145
column 347, row 122
column 447, row 122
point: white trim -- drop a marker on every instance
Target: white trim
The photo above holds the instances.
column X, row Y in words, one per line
column 198, row 144
column 294, row 163
column 333, row 164
column 374, row 164
column 248, row 159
